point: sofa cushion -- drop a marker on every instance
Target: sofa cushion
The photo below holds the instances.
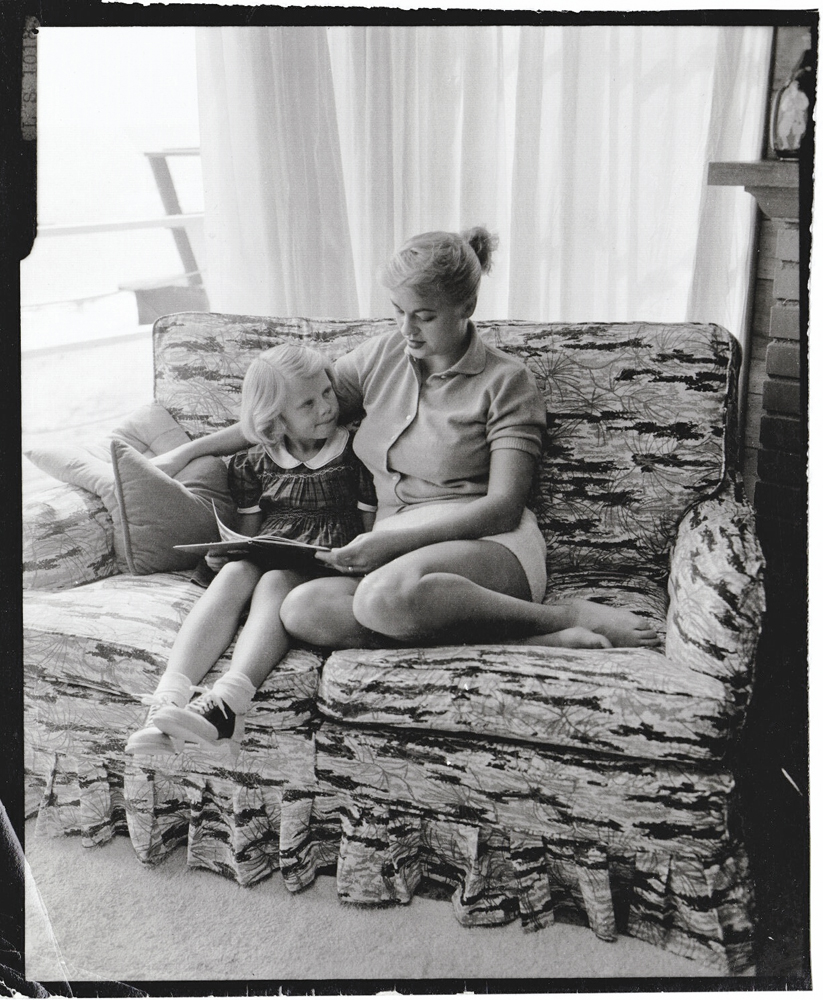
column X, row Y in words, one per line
column 640, row 421
column 637, row 594
column 200, row 358
column 68, row 539
column 150, row 429
column 90, row 653
column 631, row 702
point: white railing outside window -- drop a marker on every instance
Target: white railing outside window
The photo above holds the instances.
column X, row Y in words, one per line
column 117, row 131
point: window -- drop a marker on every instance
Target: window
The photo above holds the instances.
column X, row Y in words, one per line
column 106, row 98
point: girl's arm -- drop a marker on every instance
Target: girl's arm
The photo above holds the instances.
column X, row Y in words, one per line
column 249, row 524
column 367, row 517
column 222, row 442
column 246, row 524
column 510, row 478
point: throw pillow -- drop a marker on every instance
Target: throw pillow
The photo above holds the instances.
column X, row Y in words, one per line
column 157, row 512
column 150, row 430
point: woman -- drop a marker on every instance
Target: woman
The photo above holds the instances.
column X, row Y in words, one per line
column 451, row 431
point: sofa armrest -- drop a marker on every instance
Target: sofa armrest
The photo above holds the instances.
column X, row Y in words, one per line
column 716, row 592
column 68, row 539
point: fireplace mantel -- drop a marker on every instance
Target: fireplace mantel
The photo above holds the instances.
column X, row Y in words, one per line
column 773, row 183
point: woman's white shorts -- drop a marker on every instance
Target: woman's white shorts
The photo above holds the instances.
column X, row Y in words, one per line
column 526, row 542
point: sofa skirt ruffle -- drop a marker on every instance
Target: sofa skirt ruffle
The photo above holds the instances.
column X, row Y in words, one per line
column 517, row 832
column 241, row 830
column 245, row 819
column 79, row 798
column 696, row 907
column 507, row 832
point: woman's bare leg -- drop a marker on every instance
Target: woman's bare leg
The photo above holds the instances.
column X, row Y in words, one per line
column 436, row 594
column 477, row 589
column 320, row 612
column 619, row 626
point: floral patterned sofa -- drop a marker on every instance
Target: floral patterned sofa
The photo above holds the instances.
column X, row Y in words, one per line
column 521, row 783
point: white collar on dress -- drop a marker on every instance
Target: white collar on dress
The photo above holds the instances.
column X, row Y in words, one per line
column 333, row 447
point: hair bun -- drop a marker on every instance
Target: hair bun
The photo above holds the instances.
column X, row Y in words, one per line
column 483, row 243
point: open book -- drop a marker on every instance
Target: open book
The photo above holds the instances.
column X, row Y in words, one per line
column 233, row 543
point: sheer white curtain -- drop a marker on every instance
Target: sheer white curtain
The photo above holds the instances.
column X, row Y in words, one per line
column 276, row 225
column 585, row 148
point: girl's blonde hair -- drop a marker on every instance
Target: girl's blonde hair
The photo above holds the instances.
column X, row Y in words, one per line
column 264, row 388
column 448, row 264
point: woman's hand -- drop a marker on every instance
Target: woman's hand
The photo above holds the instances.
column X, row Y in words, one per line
column 367, row 552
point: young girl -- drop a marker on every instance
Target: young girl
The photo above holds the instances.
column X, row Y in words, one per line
column 300, row 480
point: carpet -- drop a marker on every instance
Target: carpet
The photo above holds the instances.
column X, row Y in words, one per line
column 99, row 914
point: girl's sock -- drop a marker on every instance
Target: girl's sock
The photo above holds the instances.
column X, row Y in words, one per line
column 236, row 690
column 175, row 687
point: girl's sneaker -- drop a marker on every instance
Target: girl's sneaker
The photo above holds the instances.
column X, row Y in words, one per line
column 207, row 720
column 150, row 740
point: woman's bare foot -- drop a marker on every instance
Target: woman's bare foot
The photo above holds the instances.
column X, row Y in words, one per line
column 620, row 627
column 570, row 638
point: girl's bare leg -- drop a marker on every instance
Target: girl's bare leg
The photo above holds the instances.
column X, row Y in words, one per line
column 212, row 623
column 264, row 641
column 203, row 637
column 218, row 716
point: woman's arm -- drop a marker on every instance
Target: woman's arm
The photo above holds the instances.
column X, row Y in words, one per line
column 510, row 478
column 222, row 442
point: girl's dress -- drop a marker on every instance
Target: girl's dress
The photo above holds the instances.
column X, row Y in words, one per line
column 315, row 501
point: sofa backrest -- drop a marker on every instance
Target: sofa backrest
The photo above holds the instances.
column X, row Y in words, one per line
column 641, row 416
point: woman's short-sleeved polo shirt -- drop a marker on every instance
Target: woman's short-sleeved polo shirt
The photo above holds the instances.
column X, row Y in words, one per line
column 431, row 438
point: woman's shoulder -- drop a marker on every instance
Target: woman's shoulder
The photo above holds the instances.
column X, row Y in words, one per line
column 504, row 366
column 370, row 363
column 379, row 345
column 511, row 385
column 502, row 358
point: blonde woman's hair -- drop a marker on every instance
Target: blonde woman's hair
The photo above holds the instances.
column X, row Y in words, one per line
column 264, row 388
column 447, row 264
